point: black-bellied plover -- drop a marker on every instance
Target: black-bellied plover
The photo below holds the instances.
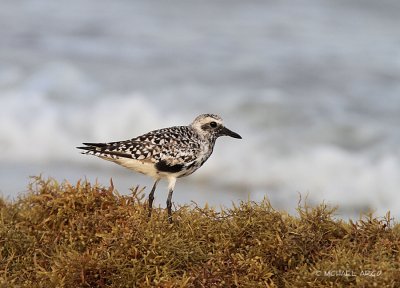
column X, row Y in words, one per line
column 168, row 153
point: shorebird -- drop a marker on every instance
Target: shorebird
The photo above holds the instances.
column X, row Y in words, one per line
column 168, row 153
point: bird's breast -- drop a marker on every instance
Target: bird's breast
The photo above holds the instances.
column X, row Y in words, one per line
column 204, row 153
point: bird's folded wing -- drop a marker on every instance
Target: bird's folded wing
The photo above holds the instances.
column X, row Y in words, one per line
column 142, row 150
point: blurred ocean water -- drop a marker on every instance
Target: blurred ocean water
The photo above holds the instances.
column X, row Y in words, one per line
column 312, row 86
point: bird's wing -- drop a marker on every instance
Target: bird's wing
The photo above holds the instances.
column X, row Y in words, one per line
column 168, row 145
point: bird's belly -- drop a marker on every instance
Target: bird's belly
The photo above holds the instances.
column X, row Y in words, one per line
column 144, row 167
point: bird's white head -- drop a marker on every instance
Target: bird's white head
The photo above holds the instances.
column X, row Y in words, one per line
column 211, row 126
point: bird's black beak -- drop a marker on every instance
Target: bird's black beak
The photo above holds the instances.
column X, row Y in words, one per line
column 226, row 132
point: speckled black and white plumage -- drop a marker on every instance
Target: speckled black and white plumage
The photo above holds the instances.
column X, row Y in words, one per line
column 165, row 153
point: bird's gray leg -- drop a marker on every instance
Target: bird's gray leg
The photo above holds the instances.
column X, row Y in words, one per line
column 151, row 196
column 169, row 205
column 171, row 186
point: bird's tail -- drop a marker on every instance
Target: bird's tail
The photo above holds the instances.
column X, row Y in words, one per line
column 103, row 150
column 96, row 149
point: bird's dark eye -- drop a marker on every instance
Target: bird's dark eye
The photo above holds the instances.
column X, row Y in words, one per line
column 213, row 124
